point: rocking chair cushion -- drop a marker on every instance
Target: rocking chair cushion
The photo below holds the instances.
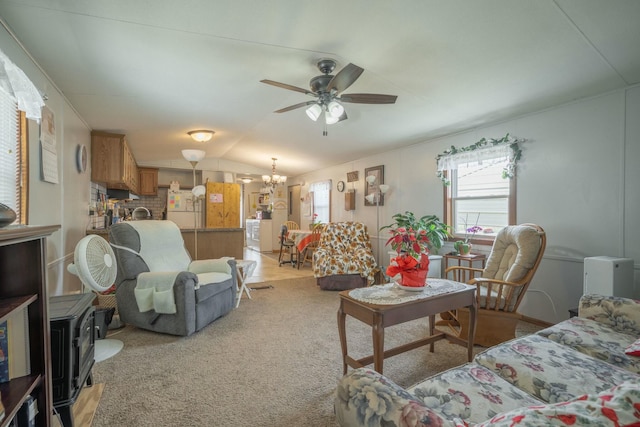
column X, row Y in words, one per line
column 506, row 261
column 514, row 253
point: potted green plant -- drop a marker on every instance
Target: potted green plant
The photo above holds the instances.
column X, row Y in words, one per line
column 437, row 232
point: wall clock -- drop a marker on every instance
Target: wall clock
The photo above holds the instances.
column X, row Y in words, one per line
column 340, row 186
column 81, row 158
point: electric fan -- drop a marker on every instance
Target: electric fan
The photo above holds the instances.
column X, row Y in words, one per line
column 95, row 264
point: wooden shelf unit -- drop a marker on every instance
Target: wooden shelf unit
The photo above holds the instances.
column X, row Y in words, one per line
column 23, row 287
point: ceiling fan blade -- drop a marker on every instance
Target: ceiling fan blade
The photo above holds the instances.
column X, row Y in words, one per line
column 368, row 98
column 286, row 86
column 344, row 78
column 293, row 107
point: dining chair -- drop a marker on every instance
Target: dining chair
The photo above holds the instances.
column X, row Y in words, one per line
column 292, row 225
column 287, row 246
column 307, row 255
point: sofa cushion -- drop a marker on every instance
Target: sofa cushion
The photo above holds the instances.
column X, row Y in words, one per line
column 633, row 349
column 550, row 371
column 470, row 392
column 366, row 398
column 595, row 339
column 622, row 314
column 615, row 407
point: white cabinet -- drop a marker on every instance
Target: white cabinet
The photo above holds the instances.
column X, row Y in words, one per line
column 259, row 234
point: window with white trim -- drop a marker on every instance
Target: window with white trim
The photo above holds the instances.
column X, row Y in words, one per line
column 480, row 186
column 480, row 196
column 321, row 201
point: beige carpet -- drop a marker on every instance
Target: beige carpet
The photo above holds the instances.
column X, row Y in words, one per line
column 274, row 361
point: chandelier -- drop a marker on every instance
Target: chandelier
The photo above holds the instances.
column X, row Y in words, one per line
column 275, row 179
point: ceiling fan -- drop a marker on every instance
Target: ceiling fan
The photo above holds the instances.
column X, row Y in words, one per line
column 327, row 89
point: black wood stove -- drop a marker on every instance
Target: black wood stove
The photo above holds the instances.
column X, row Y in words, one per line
column 72, row 349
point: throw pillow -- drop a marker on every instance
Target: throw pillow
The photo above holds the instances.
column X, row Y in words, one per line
column 633, row 349
column 615, row 407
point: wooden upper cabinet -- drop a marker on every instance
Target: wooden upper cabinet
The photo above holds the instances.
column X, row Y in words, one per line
column 148, row 181
column 112, row 161
column 223, row 205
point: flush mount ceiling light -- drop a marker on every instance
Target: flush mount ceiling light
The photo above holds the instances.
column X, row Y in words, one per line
column 246, row 180
column 201, row 135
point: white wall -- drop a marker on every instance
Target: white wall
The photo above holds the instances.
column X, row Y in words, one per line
column 577, row 179
column 65, row 203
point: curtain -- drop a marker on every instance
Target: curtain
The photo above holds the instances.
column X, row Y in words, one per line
column 15, row 83
column 494, row 154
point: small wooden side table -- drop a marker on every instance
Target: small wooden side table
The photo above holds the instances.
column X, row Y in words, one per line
column 471, row 260
column 381, row 316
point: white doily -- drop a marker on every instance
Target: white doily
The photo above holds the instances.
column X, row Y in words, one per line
column 390, row 293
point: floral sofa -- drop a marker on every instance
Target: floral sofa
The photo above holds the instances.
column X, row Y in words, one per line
column 578, row 372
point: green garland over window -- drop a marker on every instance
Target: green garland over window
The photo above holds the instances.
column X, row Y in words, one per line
column 509, row 170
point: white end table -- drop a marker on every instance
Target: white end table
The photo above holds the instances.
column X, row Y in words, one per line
column 245, row 269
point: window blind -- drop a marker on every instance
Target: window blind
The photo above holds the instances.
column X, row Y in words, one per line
column 9, row 148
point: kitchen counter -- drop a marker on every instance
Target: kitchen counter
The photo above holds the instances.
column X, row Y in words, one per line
column 212, row 242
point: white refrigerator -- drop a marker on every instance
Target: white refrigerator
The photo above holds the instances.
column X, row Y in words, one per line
column 180, row 209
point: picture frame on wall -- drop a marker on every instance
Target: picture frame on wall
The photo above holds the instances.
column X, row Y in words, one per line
column 378, row 172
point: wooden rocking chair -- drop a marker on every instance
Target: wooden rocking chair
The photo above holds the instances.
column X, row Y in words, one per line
column 515, row 256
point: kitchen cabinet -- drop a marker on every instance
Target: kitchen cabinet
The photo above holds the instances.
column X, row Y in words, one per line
column 23, row 276
column 148, row 181
column 259, row 234
column 222, row 205
column 112, row 162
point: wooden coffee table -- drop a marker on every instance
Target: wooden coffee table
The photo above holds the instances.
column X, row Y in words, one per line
column 381, row 316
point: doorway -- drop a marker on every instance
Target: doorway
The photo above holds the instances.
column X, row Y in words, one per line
column 293, row 213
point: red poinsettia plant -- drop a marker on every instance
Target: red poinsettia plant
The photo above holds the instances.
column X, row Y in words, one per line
column 412, row 262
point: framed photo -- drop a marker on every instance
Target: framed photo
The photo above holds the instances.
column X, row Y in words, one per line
column 378, row 172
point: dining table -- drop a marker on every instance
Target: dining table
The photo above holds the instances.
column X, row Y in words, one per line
column 302, row 238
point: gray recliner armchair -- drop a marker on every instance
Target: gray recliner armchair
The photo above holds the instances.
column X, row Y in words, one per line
column 159, row 288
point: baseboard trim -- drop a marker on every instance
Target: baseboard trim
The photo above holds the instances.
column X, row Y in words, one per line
column 535, row 321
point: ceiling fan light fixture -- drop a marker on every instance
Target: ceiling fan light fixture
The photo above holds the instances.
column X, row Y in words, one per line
column 330, row 118
column 314, row 112
column 201, row 135
column 335, row 108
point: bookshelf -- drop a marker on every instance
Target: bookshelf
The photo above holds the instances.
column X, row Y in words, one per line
column 23, row 287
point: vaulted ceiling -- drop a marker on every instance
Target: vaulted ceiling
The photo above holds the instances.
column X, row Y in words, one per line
column 156, row 69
